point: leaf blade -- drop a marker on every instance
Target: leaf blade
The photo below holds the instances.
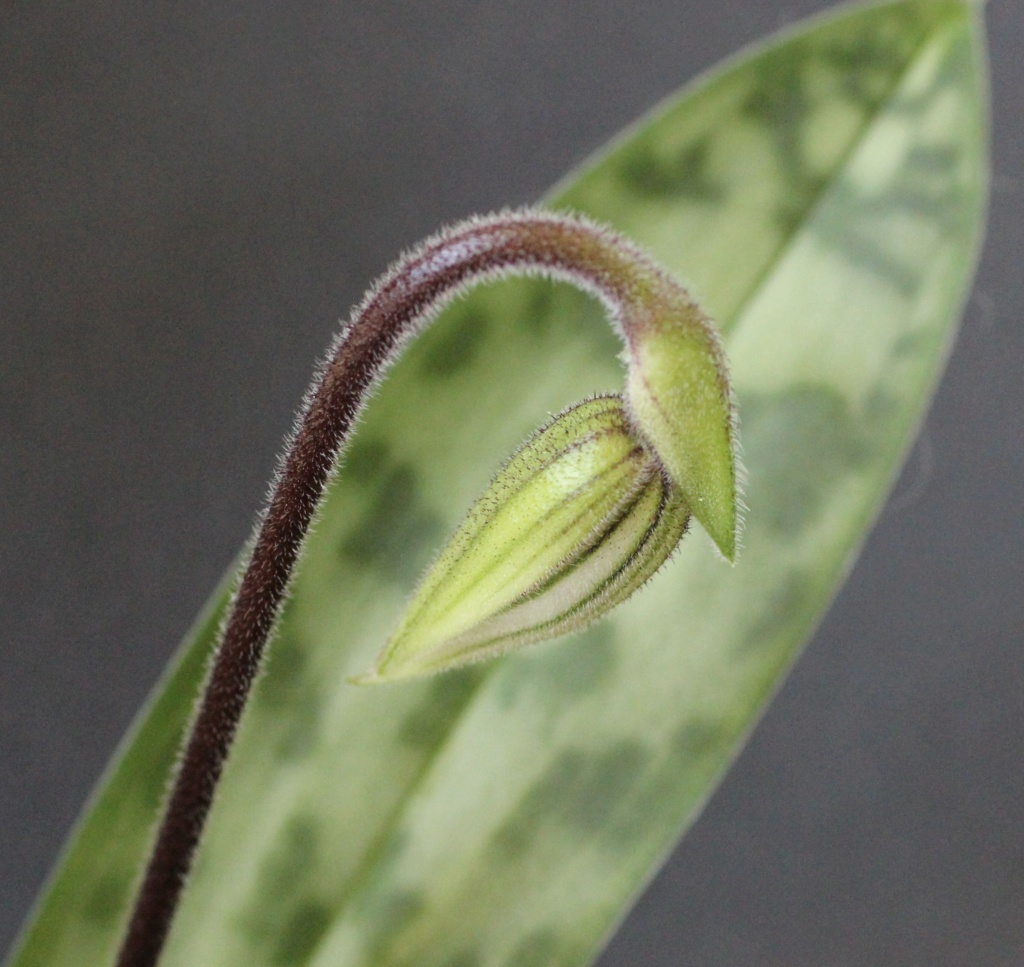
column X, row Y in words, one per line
column 325, row 871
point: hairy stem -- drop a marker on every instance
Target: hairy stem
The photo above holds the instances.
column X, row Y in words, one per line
column 400, row 305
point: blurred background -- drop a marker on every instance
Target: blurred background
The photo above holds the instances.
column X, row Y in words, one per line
column 191, row 196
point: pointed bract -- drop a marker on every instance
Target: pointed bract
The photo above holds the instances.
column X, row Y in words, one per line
column 678, row 394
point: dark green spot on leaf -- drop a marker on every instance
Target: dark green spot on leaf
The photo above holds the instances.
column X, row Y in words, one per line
column 685, row 173
column 579, row 790
column 301, row 933
column 429, row 722
column 697, row 739
column 797, row 441
column 455, row 344
column 364, row 460
column 288, row 687
column 107, row 900
column 398, row 531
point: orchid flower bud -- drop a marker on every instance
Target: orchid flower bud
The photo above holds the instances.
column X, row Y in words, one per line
column 579, row 518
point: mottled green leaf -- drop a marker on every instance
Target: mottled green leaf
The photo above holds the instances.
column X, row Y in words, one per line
column 824, row 195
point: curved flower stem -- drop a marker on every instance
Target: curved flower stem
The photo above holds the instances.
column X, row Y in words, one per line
column 408, row 296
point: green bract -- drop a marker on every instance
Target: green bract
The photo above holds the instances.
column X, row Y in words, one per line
column 678, row 394
column 824, row 197
column 573, row 524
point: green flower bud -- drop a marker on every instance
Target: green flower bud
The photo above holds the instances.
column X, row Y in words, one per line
column 578, row 519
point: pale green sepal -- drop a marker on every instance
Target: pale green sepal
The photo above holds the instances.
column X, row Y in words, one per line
column 578, row 519
column 678, row 393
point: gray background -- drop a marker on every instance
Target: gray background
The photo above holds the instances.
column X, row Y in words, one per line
column 192, row 194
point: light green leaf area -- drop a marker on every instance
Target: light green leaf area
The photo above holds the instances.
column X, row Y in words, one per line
column 824, row 195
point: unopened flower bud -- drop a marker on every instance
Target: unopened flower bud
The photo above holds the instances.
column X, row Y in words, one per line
column 578, row 519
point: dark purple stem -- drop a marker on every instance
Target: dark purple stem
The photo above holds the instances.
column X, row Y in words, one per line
column 393, row 312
